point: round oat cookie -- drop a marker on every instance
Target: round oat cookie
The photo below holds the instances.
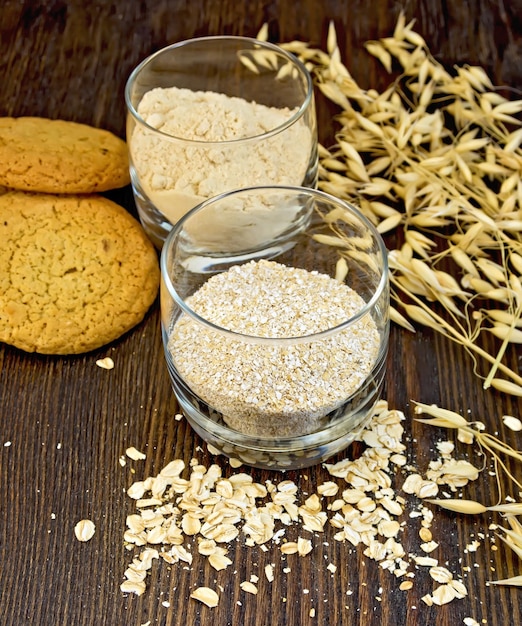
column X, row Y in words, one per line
column 76, row 272
column 58, row 156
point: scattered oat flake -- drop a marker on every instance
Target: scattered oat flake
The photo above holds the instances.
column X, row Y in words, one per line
column 331, row 567
column 425, row 534
column 441, row 574
column 249, row 587
column 129, row 586
column 7, row 444
column 219, row 561
column 426, row 561
column 443, row 594
column 359, row 502
column 429, row 546
column 289, row 547
column 328, row 489
column 135, row 454
column 473, row 546
column 512, row 422
column 206, row 596
column 107, row 363
column 304, row 546
column 469, row 621
column 445, row 447
column 213, row 450
column 84, row 530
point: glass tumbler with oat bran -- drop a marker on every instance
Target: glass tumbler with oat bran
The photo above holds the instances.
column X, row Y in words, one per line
column 213, row 114
column 275, row 318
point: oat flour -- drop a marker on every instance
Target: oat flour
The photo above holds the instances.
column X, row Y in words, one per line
column 177, row 175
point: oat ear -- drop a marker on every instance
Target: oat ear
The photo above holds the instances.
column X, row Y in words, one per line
column 460, row 506
column 432, row 174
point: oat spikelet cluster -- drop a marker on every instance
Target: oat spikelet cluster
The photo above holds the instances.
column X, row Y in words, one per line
column 436, row 159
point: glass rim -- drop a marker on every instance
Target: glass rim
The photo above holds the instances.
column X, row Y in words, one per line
column 368, row 306
column 305, row 105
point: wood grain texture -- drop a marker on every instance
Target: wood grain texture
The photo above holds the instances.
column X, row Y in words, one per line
column 69, row 421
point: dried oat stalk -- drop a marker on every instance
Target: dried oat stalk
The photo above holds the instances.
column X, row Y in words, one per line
column 470, row 432
column 436, row 158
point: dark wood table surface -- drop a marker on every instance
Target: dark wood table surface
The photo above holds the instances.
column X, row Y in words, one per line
column 64, row 422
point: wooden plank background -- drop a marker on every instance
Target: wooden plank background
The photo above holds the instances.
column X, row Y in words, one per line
column 68, row 421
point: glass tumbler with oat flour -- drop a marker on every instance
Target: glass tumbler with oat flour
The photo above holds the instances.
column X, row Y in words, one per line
column 213, row 114
column 275, row 322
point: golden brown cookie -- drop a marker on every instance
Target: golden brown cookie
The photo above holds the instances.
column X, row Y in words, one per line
column 76, row 272
column 57, row 156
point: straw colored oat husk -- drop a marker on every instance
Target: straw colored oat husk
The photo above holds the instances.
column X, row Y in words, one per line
column 435, row 160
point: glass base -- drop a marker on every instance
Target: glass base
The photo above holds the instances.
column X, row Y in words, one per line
column 339, row 428
column 157, row 225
